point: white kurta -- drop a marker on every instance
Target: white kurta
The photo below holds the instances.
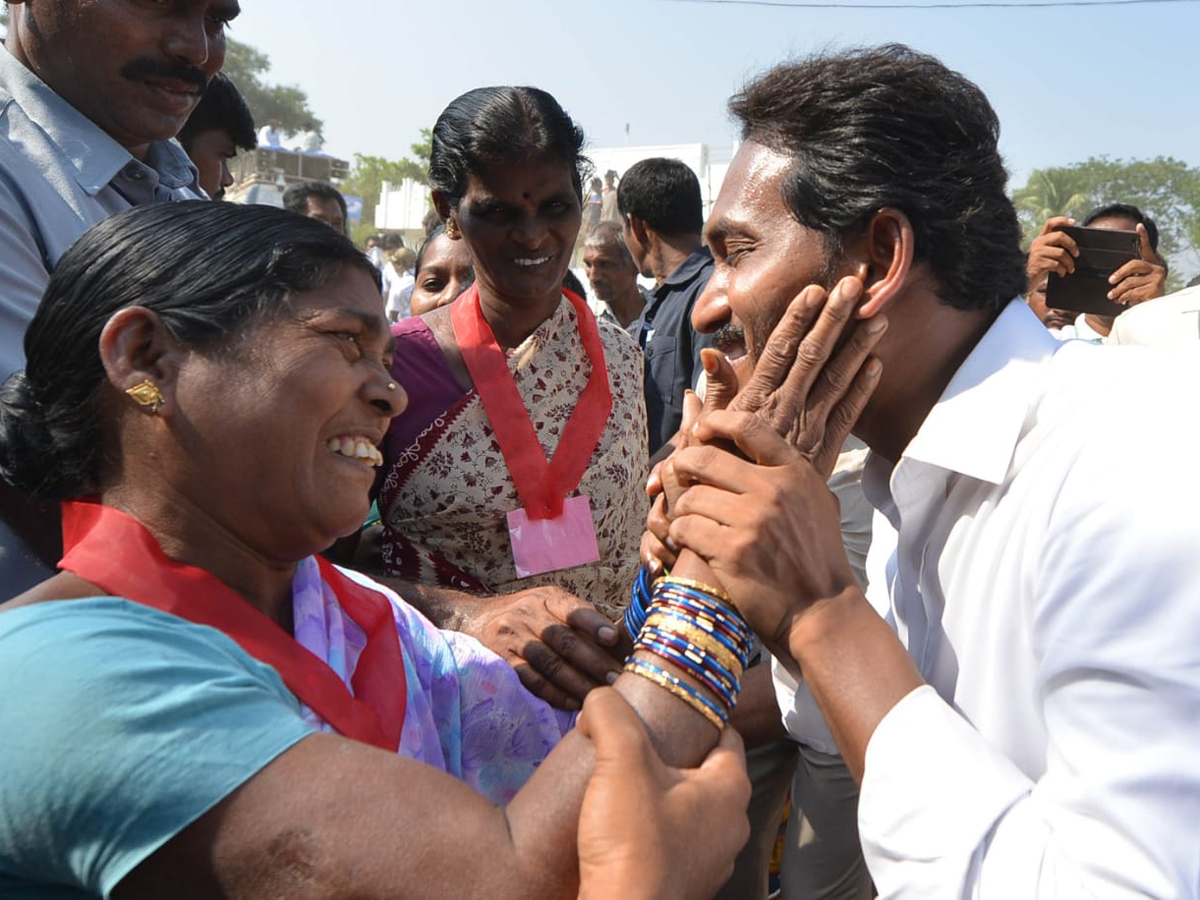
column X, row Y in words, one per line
column 1045, row 576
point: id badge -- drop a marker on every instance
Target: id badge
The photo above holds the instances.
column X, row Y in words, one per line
column 546, row 545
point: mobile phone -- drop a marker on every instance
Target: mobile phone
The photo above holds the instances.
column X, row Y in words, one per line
column 1101, row 252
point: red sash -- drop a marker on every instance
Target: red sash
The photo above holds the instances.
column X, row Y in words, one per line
column 541, row 485
column 116, row 553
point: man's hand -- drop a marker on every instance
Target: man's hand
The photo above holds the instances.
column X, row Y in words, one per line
column 768, row 526
column 651, row 832
column 1051, row 251
column 805, row 386
column 800, row 387
column 1139, row 280
column 560, row 646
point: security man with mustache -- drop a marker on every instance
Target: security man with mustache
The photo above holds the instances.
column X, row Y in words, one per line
column 91, row 93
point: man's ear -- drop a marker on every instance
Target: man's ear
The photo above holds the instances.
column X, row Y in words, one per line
column 885, row 260
column 640, row 230
column 135, row 347
column 442, row 205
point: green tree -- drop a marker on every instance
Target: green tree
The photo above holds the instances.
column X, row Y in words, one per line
column 1048, row 193
column 368, row 174
column 286, row 104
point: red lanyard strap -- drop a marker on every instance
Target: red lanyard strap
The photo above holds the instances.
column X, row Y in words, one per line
column 118, row 554
column 542, row 485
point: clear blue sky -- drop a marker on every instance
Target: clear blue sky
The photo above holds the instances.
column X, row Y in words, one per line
column 1067, row 83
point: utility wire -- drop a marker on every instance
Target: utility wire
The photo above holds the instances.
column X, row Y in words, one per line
column 970, row 4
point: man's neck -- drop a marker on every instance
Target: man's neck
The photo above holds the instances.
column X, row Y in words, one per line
column 925, row 345
column 1102, row 325
column 669, row 253
column 627, row 307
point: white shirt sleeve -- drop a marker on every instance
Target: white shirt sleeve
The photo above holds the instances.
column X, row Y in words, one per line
column 1115, row 812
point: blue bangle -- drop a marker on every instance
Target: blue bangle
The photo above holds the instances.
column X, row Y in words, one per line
column 681, row 689
column 723, row 687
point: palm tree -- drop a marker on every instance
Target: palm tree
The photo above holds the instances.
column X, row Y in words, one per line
column 1052, row 192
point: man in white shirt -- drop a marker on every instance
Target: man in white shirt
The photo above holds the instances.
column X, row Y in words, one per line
column 1020, row 696
column 309, row 140
column 1170, row 321
column 270, row 136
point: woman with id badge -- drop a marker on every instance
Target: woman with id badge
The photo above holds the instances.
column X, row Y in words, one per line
column 522, row 458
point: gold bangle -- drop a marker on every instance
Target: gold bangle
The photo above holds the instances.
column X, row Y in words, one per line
column 696, row 637
column 689, row 695
column 708, row 589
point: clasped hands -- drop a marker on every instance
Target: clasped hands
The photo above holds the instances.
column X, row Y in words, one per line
column 745, row 489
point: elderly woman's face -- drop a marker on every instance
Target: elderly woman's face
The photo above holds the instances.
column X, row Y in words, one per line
column 445, row 273
column 286, row 430
column 520, row 222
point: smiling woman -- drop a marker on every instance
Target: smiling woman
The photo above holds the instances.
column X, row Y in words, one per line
column 198, row 706
column 520, row 463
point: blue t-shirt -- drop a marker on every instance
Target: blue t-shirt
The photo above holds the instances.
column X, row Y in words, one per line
column 119, row 727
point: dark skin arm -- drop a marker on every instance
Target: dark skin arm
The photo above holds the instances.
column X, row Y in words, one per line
column 751, row 499
column 650, row 832
column 333, row 818
column 770, row 529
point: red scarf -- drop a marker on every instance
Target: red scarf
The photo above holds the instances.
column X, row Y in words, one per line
column 116, row 553
column 541, row 485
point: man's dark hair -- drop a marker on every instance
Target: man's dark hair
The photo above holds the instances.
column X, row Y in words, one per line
column 663, row 193
column 496, row 126
column 610, row 234
column 890, row 127
column 220, row 109
column 210, row 271
column 296, row 196
column 1125, row 211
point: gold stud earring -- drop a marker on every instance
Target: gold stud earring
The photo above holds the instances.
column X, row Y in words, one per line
column 147, row 394
column 451, row 230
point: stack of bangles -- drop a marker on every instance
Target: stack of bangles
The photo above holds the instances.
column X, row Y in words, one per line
column 693, row 627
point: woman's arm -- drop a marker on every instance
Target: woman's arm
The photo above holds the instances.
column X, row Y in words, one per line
column 333, row 818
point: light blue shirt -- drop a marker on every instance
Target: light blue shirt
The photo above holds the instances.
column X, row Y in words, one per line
column 119, row 726
column 59, row 175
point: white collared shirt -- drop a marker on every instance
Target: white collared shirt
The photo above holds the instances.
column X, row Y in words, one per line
column 1046, row 579
column 1079, row 330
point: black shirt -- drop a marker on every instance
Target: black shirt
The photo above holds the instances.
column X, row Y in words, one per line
column 672, row 347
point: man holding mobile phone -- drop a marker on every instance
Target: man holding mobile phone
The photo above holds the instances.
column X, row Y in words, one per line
column 1054, row 251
